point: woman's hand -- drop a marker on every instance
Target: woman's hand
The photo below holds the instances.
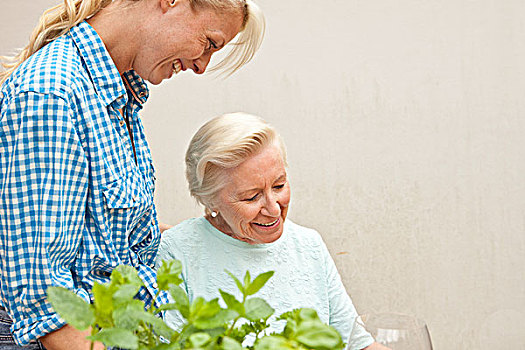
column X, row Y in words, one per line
column 69, row 338
column 376, row 346
column 164, row 227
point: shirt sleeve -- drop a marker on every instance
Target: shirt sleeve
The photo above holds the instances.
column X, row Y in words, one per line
column 168, row 250
column 43, row 189
column 342, row 310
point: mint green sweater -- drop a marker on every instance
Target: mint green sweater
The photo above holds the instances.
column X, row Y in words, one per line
column 305, row 274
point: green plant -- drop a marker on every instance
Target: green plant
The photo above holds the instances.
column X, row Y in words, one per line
column 117, row 319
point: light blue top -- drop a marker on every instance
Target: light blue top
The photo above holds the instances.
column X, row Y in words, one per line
column 305, row 274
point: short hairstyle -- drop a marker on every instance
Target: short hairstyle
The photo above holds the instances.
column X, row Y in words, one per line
column 222, row 143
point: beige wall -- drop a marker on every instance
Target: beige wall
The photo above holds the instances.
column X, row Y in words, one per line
column 405, row 127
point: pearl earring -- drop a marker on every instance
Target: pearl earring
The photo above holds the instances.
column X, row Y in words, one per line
column 214, row 214
column 172, row 3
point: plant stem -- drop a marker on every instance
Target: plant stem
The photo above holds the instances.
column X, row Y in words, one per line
column 153, row 309
column 92, row 343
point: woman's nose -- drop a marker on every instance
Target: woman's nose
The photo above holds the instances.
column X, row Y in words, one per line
column 271, row 207
column 200, row 64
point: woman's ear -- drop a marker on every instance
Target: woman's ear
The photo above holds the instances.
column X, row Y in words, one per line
column 165, row 5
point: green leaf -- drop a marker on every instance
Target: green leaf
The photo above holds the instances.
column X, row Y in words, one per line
column 198, row 340
column 307, row 314
column 159, row 326
column 167, row 346
column 247, row 279
column 116, row 337
column 124, row 274
column 232, row 303
column 103, row 304
column 273, row 342
column 181, row 300
column 230, row 344
column 168, row 274
column 169, row 306
column 319, row 336
column 258, row 282
column 237, row 282
column 204, row 317
column 71, row 307
column 131, row 315
column 290, row 329
column 257, row 308
column 125, row 316
column 221, row 318
column 125, row 293
column 195, row 306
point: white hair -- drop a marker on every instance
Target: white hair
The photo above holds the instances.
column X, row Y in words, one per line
column 222, row 143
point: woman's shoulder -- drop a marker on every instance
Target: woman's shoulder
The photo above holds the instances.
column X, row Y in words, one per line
column 185, row 230
column 295, row 228
column 54, row 69
column 181, row 239
column 302, row 234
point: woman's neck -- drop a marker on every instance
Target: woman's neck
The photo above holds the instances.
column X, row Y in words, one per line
column 221, row 225
column 113, row 25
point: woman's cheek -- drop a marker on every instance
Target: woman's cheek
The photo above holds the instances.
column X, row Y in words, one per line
column 286, row 197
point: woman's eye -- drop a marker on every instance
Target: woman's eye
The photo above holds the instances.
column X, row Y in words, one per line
column 251, row 199
column 211, row 45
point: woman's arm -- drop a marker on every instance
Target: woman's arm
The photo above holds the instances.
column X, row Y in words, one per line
column 43, row 192
column 342, row 310
column 376, row 346
column 163, row 227
column 69, row 338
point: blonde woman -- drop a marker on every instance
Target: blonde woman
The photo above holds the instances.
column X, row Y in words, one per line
column 77, row 181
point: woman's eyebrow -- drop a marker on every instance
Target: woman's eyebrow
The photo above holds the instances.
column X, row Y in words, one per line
column 220, row 44
column 281, row 178
column 248, row 191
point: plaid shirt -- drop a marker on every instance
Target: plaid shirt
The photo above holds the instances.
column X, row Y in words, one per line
column 76, row 192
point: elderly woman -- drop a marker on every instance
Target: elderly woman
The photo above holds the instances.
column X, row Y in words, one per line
column 76, row 191
column 236, row 168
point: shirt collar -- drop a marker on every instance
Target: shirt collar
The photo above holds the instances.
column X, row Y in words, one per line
column 106, row 78
column 137, row 86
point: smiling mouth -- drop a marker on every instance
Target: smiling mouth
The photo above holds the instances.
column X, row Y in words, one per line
column 176, row 66
column 267, row 225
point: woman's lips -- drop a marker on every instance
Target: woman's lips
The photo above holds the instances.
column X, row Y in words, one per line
column 176, row 66
column 268, row 225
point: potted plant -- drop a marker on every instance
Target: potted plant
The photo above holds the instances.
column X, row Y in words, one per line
column 119, row 320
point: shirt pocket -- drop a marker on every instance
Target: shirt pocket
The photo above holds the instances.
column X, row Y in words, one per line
column 127, row 201
column 122, row 194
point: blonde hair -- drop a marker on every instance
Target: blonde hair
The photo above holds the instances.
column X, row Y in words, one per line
column 222, row 143
column 59, row 19
column 53, row 23
column 246, row 43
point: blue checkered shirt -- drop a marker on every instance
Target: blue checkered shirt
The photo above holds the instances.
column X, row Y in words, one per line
column 76, row 191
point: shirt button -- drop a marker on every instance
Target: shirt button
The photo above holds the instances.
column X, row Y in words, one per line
column 155, row 285
column 121, row 123
column 142, row 94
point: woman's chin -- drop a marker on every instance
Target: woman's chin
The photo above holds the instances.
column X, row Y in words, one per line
column 263, row 234
column 158, row 75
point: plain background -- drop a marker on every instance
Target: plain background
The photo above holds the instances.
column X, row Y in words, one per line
column 405, row 127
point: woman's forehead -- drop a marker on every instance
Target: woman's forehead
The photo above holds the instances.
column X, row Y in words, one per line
column 265, row 166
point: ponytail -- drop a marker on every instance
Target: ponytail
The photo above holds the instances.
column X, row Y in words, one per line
column 53, row 23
